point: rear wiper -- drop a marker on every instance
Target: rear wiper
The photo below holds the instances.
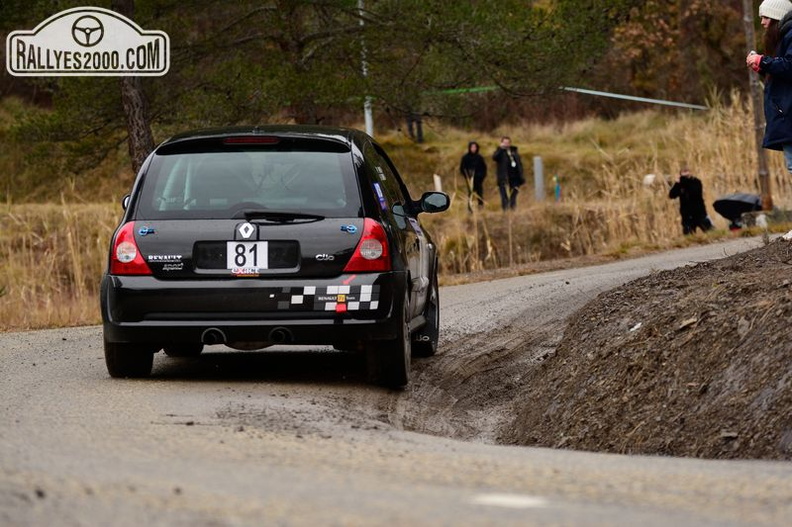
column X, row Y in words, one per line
column 281, row 217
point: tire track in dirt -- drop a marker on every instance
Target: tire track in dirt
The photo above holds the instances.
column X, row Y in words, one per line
column 468, row 389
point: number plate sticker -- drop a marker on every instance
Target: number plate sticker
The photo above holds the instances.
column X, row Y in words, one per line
column 246, row 255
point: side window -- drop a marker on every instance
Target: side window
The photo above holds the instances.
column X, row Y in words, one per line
column 393, row 175
column 386, row 183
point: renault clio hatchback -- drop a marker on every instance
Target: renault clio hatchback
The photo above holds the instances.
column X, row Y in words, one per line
column 250, row 237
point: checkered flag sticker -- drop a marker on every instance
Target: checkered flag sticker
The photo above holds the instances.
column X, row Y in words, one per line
column 338, row 298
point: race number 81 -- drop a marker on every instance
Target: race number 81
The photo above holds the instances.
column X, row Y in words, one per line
column 246, row 254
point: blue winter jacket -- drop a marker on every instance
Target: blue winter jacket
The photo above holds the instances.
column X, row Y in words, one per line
column 778, row 90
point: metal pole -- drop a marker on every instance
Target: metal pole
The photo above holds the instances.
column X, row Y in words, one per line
column 758, row 109
column 364, row 65
column 634, row 98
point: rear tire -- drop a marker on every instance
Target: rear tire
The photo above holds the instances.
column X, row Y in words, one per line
column 425, row 343
column 128, row 360
column 389, row 361
column 183, row 350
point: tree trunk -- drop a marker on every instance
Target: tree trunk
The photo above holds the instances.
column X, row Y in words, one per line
column 140, row 140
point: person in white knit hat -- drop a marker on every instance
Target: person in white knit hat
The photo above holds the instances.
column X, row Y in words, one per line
column 776, row 66
column 774, row 9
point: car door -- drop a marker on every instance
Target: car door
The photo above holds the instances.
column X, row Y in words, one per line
column 412, row 236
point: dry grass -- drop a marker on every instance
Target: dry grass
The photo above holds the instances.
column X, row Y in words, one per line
column 51, row 260
column 52, row 255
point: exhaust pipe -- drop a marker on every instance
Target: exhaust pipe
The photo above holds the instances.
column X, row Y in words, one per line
column 213, row 336
column 280, row 336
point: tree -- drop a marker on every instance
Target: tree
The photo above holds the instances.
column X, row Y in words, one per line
column 421, row 50
column 677, row 49
column 249, row 61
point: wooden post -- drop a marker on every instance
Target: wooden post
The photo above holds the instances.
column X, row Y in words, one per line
column 758, row 109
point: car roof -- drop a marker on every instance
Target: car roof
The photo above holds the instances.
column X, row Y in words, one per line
column 347, row 136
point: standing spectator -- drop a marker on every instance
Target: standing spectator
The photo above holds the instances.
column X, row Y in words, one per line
column 691, row 202
column 474, row 168
column 776, row 66
column 510, row 172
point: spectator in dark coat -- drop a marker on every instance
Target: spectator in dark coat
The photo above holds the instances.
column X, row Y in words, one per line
column 474, row 168
column 691, row 202
column 510, row 172
column 776, row 66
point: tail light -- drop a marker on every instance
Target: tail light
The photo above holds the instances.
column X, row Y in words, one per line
column 125, row 258
column 371, row 253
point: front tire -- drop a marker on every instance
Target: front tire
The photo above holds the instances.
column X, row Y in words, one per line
column 128, row 360
column 389, row 361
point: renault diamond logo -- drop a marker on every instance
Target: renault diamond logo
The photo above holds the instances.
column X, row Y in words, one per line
column 246, row 230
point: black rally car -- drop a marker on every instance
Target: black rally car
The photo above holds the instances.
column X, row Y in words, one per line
column 251, row 237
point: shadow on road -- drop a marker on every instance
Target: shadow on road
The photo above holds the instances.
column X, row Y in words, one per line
column 304, row 365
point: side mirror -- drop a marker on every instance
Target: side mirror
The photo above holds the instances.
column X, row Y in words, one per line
column 432, row 202
column 125, row 201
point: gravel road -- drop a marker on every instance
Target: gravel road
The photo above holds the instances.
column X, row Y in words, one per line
column 297, row 438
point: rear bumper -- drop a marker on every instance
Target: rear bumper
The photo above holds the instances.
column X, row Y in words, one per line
column 148, row 310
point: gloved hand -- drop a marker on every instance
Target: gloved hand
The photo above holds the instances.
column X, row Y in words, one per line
column 752, row 61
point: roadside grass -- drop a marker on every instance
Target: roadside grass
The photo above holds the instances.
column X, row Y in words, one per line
column 52, row 253
column 51, row 260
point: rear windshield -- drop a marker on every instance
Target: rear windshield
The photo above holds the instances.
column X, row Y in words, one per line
column 224, row 184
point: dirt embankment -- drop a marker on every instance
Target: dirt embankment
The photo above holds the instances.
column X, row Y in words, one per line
column 691, row 362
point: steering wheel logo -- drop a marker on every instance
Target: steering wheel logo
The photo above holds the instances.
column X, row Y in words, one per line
column 87, row 31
